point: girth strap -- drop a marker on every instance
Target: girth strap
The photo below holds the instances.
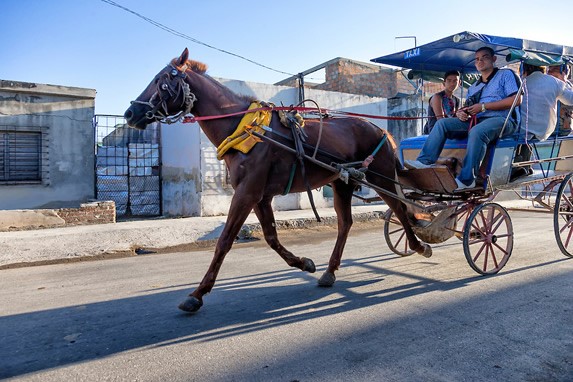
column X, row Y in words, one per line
column 299, row 136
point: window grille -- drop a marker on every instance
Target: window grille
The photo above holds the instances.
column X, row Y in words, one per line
column 23, row 155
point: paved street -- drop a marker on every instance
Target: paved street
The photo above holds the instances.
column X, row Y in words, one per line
column 386, row 319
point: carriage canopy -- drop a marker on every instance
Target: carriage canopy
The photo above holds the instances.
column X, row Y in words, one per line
column 457, row 52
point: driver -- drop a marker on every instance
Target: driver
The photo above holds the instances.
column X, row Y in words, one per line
column 481, row 120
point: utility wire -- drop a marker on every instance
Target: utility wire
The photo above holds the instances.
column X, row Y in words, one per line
column 184, row 36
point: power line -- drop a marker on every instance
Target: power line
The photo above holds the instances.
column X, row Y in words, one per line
column 184, row 36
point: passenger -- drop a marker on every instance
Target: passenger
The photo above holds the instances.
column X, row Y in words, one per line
column 565, row 112
column 539, row 106
column 489, row 101
column 444, row 104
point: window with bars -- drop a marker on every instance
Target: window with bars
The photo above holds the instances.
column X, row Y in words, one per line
column 22, row 156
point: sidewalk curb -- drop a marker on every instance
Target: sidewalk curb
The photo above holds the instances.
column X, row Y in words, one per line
column 105, row 241
column 248, row 230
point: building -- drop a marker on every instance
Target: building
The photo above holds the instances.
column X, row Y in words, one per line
column 46, row 145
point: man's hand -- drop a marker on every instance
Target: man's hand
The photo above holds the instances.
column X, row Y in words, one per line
column 463, row 114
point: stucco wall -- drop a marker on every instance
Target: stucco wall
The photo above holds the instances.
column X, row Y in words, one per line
column 65, row 116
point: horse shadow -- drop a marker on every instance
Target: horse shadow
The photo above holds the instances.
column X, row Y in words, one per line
column 40, row 340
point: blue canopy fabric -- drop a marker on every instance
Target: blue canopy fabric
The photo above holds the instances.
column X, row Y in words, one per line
column 456, row 52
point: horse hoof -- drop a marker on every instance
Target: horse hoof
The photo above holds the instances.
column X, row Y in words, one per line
column 327, row 279
column 191, row 304
column 308, row 265
column 426, row 251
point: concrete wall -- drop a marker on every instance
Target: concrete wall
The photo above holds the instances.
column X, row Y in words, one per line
column 64, row 115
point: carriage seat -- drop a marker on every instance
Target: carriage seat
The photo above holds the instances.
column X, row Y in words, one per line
column 501, row 154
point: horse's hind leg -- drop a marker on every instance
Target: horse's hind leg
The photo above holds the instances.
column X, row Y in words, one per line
column 264, row 212
column 343, row 207
column 400, row 210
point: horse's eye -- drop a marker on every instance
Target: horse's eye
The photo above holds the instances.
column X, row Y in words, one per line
column 163, row 86
column 174, row 72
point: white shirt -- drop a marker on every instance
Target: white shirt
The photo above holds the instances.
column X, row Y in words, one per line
column 539, row 105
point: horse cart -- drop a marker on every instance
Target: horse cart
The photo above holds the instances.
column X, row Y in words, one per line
column 542, row 176
column 268, row 152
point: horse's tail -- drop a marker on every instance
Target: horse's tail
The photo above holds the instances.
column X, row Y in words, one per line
column 391, row 140
column 394, row 147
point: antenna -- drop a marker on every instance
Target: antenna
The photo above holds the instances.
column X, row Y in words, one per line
column 414, row 37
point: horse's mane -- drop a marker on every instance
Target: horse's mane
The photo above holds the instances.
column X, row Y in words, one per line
column 195, row 66
column 201, row 68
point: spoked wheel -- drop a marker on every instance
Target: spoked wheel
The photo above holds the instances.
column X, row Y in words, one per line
column 463, row 217
column 396, row 236
column 563, row 216
column 488, row 238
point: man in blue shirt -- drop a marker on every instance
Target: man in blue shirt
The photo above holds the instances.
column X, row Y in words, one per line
column 481, row 120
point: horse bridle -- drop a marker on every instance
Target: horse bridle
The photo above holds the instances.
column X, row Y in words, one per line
column 169, row 90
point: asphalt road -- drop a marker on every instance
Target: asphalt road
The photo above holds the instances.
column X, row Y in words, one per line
column 386, row 319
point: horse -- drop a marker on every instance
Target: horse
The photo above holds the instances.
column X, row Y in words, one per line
column 183, row 87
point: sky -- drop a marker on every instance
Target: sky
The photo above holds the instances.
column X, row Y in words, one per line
column 92, row 44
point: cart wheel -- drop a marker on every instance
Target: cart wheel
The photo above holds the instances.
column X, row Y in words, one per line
column 395, row 235
column 488, row 238
column 563, row 216
column 463, row 217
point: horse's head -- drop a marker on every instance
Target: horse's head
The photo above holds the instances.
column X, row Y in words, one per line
column 167, row 98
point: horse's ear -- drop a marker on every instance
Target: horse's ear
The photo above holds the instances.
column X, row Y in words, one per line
column 183, row 58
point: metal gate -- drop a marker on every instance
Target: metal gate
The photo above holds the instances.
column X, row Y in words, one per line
column 128, row 166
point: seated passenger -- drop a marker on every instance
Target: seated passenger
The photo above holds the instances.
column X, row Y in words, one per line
column 539, row 105
column 481, row 120
column 565, row 112
column 444, row 104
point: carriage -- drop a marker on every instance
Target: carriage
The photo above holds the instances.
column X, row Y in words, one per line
column 483, row 225
column 268, row 152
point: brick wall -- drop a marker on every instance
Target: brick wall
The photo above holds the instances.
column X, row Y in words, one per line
column 100, row 212
column 88, row 213
column 354, row 77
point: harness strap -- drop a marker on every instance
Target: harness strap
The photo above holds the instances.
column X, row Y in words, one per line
column 370, row 158
column 298, row 144
column 290, row 179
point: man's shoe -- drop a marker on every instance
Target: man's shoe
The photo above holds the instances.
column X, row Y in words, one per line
column 416, row 164
column 462, row 186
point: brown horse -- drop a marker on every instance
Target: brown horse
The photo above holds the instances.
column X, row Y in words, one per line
column 183, row 87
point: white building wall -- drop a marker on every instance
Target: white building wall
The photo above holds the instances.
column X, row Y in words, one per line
column 181, row 169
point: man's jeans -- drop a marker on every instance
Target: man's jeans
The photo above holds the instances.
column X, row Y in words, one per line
column 479, row 137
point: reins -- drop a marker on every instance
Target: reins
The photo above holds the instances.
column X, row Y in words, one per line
column 302, row 109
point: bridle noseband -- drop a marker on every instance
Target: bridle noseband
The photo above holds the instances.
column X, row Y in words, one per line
column 169, row 90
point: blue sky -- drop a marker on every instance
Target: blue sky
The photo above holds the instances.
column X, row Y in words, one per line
column 91, row 44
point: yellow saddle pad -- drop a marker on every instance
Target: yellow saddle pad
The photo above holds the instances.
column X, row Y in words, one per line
column 242, row 139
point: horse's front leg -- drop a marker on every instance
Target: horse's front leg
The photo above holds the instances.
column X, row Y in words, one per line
column 241, row 205
column 343, row 207
column 264, row 212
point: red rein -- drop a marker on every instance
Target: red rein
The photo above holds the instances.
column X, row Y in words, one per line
column 299, row 109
